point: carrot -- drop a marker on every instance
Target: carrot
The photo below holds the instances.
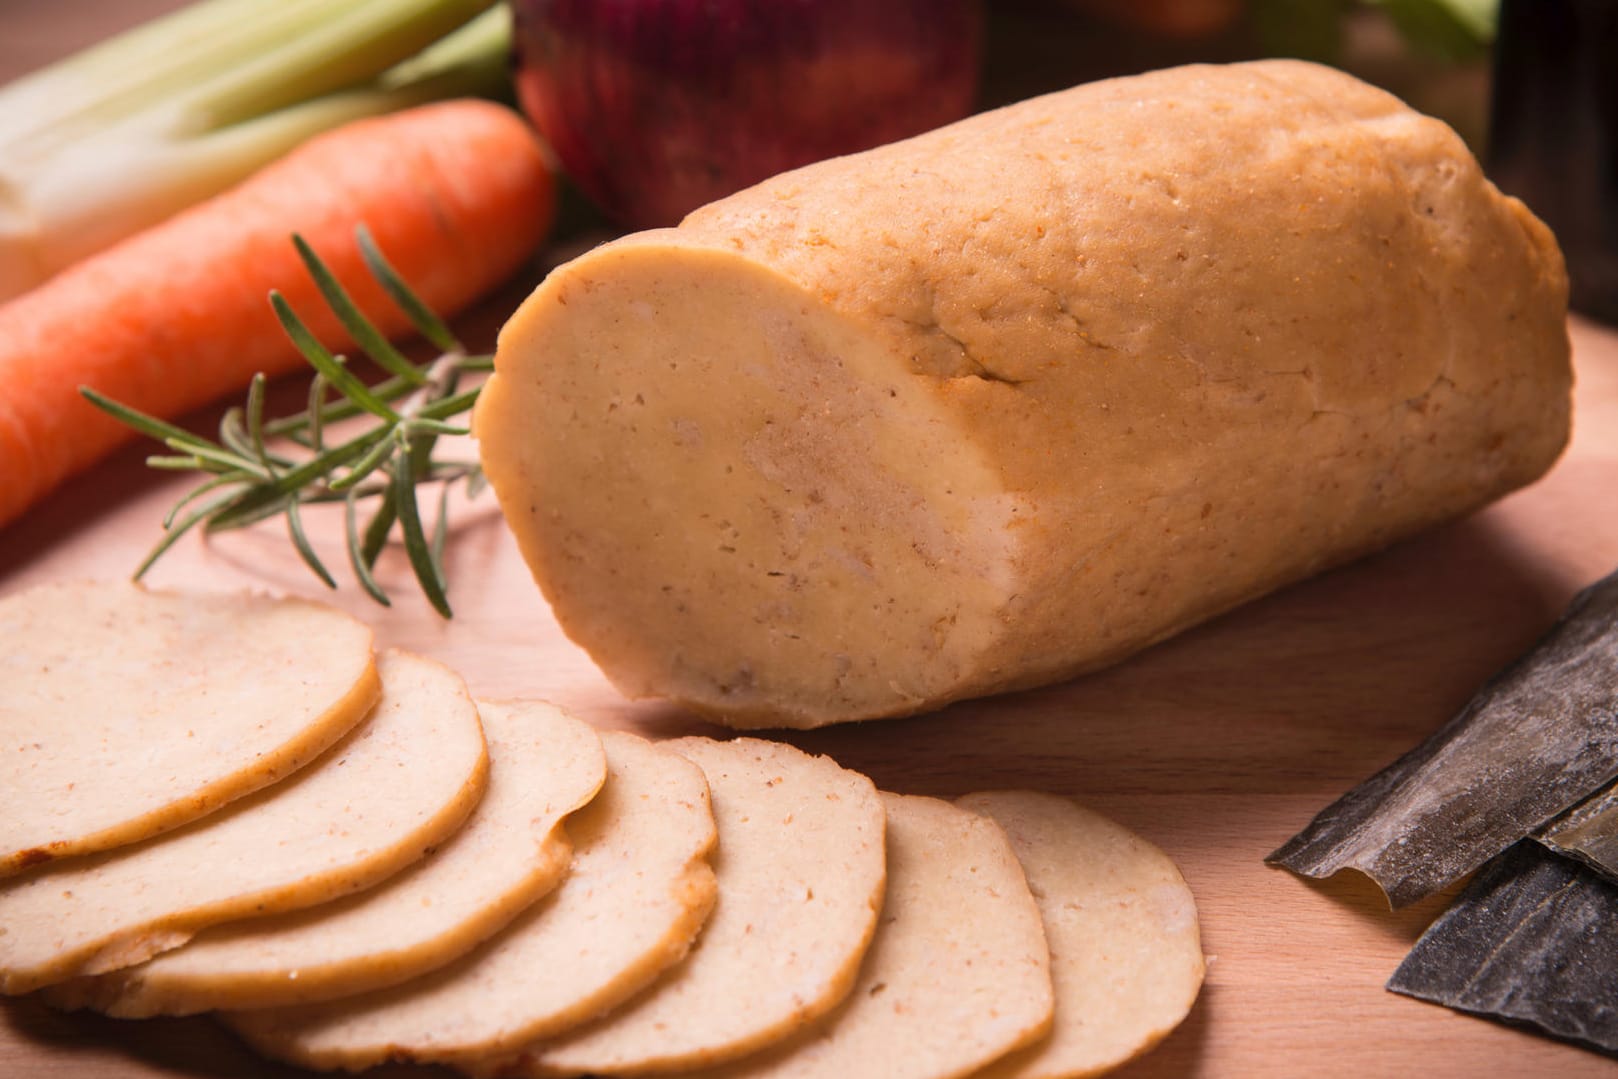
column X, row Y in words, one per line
column 457, row 194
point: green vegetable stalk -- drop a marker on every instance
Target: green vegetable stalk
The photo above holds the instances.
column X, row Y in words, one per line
column 130, row 131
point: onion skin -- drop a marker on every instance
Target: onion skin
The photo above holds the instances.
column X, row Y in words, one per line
column 1182, row 19
column 656, row 107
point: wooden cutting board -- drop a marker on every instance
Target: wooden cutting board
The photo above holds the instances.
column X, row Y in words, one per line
column 1217, row 745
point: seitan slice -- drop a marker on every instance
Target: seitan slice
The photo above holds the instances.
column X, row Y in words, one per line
column 125, row 712
column 372, row 805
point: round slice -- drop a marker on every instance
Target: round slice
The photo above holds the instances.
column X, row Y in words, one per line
column 640, row 889
column 1126, row 955
column 512, row 850
column 957, row 974
column 801, row 869
column 126, row 712
column 397, row 786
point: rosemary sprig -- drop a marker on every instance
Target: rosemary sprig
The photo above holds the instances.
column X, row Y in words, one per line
column 250, row 480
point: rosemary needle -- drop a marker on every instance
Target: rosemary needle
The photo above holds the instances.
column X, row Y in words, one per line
column 384, row 464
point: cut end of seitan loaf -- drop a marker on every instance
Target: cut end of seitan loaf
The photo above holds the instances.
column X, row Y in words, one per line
column 1014, row 399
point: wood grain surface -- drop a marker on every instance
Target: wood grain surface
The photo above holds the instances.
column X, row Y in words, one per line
column 1217, row 745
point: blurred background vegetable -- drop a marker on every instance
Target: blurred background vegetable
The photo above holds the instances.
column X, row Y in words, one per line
column 122, row 135
column 1554, row 133
column 1432, row 53
column 1454, row 30
column 1165, row 18
column 655, row 107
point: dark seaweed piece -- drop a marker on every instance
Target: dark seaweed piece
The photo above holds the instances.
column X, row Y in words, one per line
column 1588, row 832
column 1539, row 737
column 1533, row 940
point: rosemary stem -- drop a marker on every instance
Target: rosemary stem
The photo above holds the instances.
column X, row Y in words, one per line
column 406, row 412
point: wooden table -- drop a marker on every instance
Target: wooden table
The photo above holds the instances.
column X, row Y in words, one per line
column 1217, row 745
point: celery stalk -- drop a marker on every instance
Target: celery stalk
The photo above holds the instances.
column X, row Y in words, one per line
column 130, row 131
column 124, row 74
column 325, row 59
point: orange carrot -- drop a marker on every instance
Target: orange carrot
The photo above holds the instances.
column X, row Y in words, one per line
column 457, row 195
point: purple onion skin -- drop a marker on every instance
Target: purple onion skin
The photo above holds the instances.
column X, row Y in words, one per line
column 655, row 107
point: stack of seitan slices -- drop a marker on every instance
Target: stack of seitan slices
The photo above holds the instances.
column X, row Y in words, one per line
column 511, row 851
column 351, row 862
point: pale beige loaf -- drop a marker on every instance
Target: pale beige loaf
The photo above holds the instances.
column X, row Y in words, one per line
column 1014, row 399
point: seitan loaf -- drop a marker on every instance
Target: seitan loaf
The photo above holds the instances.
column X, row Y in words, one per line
column 1016, row 398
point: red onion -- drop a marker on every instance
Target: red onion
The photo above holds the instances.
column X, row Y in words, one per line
column 655, row 107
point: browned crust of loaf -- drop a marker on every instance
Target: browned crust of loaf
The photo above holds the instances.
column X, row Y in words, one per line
column 1319, row 281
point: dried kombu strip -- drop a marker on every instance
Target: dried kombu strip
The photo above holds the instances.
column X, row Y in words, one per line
column 1588, row 832
column 1532, row 940
column 1541, row 736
